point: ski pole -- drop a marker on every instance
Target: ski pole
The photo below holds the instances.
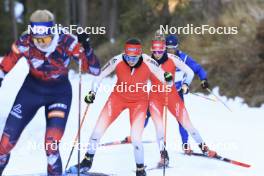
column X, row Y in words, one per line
column 165, row 125
column 79, row 114
column 209, row 90
column 201, row 96
column 77, row 136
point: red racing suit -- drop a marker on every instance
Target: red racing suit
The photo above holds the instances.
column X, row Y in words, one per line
column 157, row 100
column 129, row 93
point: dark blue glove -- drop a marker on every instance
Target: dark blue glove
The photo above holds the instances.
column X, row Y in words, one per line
column 84, row 39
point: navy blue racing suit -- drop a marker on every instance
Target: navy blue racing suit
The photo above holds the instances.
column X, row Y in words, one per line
column 46, row 85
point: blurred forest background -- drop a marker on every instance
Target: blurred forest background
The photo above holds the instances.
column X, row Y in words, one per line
column 235, row 63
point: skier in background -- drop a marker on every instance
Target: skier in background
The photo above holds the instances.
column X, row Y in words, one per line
column 169, row 62
column 133, row 70
column 48, row 56
column 172, row 44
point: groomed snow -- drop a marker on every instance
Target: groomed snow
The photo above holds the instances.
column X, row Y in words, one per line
column 238, row 135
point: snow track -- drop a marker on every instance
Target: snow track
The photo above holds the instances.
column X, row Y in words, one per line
column 237, row 135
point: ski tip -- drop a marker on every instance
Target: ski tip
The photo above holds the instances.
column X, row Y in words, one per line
column 241, row 164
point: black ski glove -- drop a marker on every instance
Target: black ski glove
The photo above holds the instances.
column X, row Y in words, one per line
column 204, row 84
column 168, row 76
column 1, row 79
column 84, row 39
column 90, row 97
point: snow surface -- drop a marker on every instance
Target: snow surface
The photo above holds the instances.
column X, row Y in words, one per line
column 238, row 135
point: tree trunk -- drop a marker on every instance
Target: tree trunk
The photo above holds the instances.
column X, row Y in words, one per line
column 73, row 12
column 105, row 13
column 67, row 19
column 166, row 17
column 14, row 24
column 214, row 7
column 82, row 12
column 113, row 21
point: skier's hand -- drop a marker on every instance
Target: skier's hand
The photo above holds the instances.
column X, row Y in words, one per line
column 90, row 97
column 1, row 79
column 185, row 88
column 204, row 84
column 168, row 76
column 84, row 39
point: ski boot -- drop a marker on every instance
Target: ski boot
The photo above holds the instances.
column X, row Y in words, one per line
column 206, row 151
column 164, row 159
column 127, row 140
column 85, row 165
column 187, row 149
column 140, row 170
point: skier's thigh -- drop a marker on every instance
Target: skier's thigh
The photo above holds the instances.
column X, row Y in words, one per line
column 111, row 110
column 156, row 110
column 56, row 116
column 178, row 110
column 57, row 112
column 137, row 114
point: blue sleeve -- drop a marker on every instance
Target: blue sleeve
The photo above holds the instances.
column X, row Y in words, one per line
column 197, row 68
column 93, row 61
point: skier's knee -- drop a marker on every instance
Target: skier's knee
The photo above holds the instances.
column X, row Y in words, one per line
column 137, row 145
column 160, row 141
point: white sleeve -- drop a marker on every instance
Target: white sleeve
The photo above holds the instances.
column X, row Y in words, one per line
column 183, row 67
column 107, row 69
column 2, row 74
column 154, row 68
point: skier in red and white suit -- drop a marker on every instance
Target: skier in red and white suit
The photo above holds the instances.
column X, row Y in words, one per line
column 157, row 100
column 133, row 70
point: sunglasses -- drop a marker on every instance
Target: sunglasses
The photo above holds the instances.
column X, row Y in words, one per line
column 131, row 58
column 172, row 46
column 44, row 40
column 158, row 52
